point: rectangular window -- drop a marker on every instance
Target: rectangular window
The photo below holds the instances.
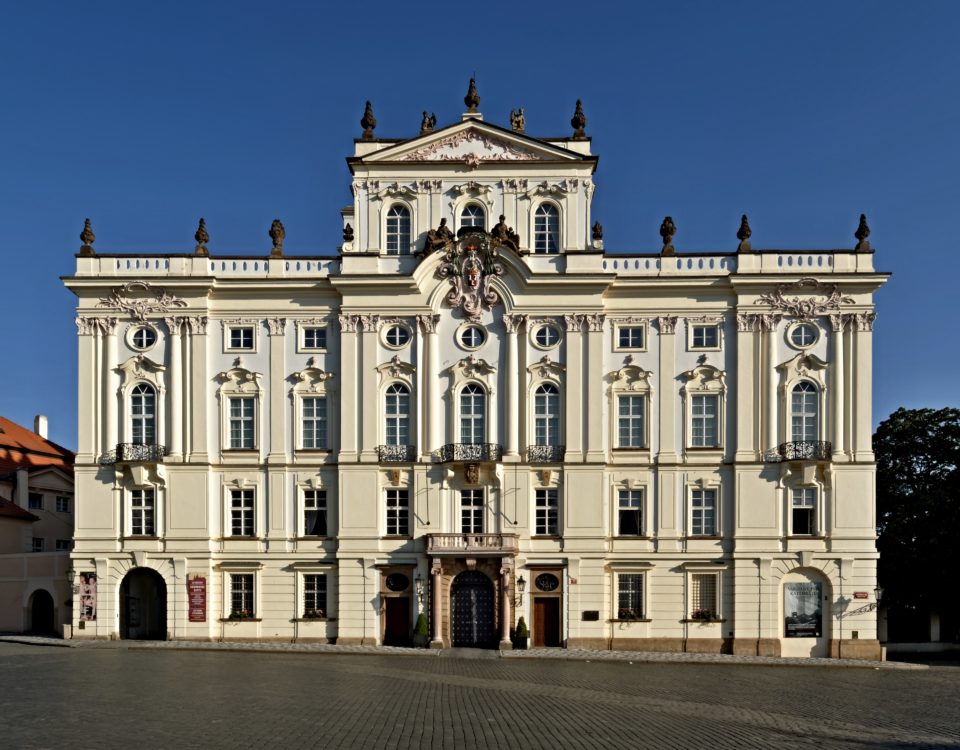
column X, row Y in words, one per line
column 630, row 337
column 547, row 513
column 803, row 512
column 704, row 513
column 703, row 596
column 35, row 501
column 36, row 544
column 241, row 595
column 704, row 420
column 314, row 422
column 142, row 512
column 314, row 595
column 471, row 511
column 705, row 337
column 314, row 337
column 631, row 513
column 241, row 512
column 315, row 512
column 630, row 428
column 63, row 504
column 630, row 596
column 242, row 423
column 241, row 338
column 64, row 545
column 398, row 513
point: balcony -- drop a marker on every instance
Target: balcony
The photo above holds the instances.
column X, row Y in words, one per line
column 802, row 450
column 545, row 454
column 394, row 454
column 472, row 545
column 127, row 453
column 470, row 452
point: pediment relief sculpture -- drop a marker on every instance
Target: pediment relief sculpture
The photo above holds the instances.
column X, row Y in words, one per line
column 547, row 369
column 803, row 366
column 473, row 368
column 397, row 369
column 140, row 299
column 311, row 378
column 140, row 367
column 239, row 378
column 630, row 377
column 806, row 307
column 704, row 377
column 472, row 148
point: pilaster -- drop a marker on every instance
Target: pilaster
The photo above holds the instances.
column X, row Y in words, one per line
column 595, row 442
column 863, row 434
column 837, row 325
column 432, row 410
column 369, row 326
column 197, row 397
column 512, row 406
column 175, row 387
column 278, row 398
column 747, row 390
column 573, row 413
column 666, row 390
column 349, row 407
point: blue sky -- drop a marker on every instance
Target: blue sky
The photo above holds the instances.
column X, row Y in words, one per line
column 145, row 117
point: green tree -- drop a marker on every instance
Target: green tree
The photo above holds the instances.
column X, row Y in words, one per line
column 918, row 513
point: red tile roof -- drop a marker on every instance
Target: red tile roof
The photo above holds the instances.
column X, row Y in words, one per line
column 21, row 448
column 12, row 510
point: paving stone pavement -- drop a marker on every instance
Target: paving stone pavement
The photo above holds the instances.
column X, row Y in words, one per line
column 107, row 695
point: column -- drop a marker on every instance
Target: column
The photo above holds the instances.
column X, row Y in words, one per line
column 512, row 407
column 111, row 384
column 348, row 388
column 769, row 323
column 863, row 386
column 837, row 325
column 175, row 387
column 199, row 384
column 667, row 392
column 433, row 408
column 573, row 398
column 436, row 603
column 747, row 391
column 369, row 408
column 505, row 643
column 279, row 405
column 87, row 387
column 595, row 442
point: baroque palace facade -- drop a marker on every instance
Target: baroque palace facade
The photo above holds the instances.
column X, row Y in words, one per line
column 471, row 412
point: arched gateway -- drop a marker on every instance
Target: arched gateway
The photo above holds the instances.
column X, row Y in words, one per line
column 472, row 610
column 143, row 606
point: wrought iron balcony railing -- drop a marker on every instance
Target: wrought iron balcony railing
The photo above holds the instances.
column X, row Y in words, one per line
column 469, row 452
column 474, row 544
column 134, row 453
column 396, row 453
column 802, row 450
column 545, row 454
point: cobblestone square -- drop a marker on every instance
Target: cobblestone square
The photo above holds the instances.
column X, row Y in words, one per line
column 165, row 698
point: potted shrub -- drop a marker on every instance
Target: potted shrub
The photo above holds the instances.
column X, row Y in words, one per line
column 421, row 633
column 523, row 634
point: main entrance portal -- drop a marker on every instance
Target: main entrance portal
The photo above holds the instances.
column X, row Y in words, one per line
column 471, row 604
column 143, row 606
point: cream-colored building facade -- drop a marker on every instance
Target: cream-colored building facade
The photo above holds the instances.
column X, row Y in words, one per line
column 657, row 450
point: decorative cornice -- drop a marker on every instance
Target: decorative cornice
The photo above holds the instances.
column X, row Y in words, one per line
column 809, row 307
column 120, row 299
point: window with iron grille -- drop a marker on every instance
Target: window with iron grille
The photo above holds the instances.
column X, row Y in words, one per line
column 142, row 513
column 631, row 513
column 704, row 419
column 703, row 596
column 398, row 230
column 35, row 501
column 630, row 421
column 241, row 338
column 547, row 513
column 546, row 229
column 471, row 511
column 546, row 410
column 803, row 511
column 241, row 595
column 630, row 596
column 398, row 513
column 143, row 415
column 397, row 415
column 242, row 423
column 703, row 516
column 315, row 512
column 314, row 410
column 241, row 512
column 63, row 504
column 314, row 595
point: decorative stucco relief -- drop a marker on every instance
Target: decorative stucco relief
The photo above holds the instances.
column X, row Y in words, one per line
column 471, row 147
column 124, row 299
column 808, row 307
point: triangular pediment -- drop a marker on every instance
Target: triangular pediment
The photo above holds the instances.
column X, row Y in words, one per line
column 472, row 142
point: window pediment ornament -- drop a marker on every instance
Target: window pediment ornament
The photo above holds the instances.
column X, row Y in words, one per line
column 704, row 378
column 547, row 369
column 397, row 369
column 807, row 307
column 141, row 298
column 395, row 190
column 804, row 366
column 141, row 367
column 557, row 189
column 239, row 379
column 311, row 379
column 471, row 187
column 630, row 377
column 473, row 368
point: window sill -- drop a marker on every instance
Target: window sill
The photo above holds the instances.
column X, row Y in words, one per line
column 812, row 537
column 240, row 619
column 139, row 538
column 630, row 619
column 555, row 537
column 706, row 622
column 314, row 619
column 630, row 449
column 705, row 448
column 396, row 536
column 235, row 451
column 638, row 537
column 707, row 537
column 314, row 450
column 309, row 538
column 241, row 539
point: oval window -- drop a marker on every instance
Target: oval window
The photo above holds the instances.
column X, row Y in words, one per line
column 472, row 337
column 397, row 582
column 546, row 336
column 397, row 336
column 547, row 582
column 803, row 335
column 143, row 338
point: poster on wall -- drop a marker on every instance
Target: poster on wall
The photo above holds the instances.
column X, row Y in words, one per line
column 88, row 597
column 197, row 594
column 802, row 610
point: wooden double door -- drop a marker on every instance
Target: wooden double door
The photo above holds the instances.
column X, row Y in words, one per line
column 546, row 621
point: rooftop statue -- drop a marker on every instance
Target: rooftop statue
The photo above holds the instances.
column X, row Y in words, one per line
column 667, row 230
column 368, row 122
column 202, row 238
column 428, row 123
column 438, row 238
column 472, row 99
column 517, row 120
column 505, row 235
column 278, row 234
column 579, row 121
column 743, row 234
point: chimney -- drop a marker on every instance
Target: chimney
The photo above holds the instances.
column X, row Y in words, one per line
column 40, row 425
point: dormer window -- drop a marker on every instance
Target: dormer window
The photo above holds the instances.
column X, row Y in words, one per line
column 398, row 230
column 546, row 230
column 473, row 216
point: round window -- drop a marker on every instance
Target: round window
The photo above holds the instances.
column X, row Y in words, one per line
column 546, row 337
column 397, row 582
column 803, row 335
column 547, row 582
column 397, row 336
column 472, row 337
column 143, row 337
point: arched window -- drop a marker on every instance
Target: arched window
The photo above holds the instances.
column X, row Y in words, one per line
column 473, row 412
column 143, row 415
column 546, row 229
column 546, row 408
column 398, row 415
column 805, row 409
column 398, row 230
column 472, row 215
